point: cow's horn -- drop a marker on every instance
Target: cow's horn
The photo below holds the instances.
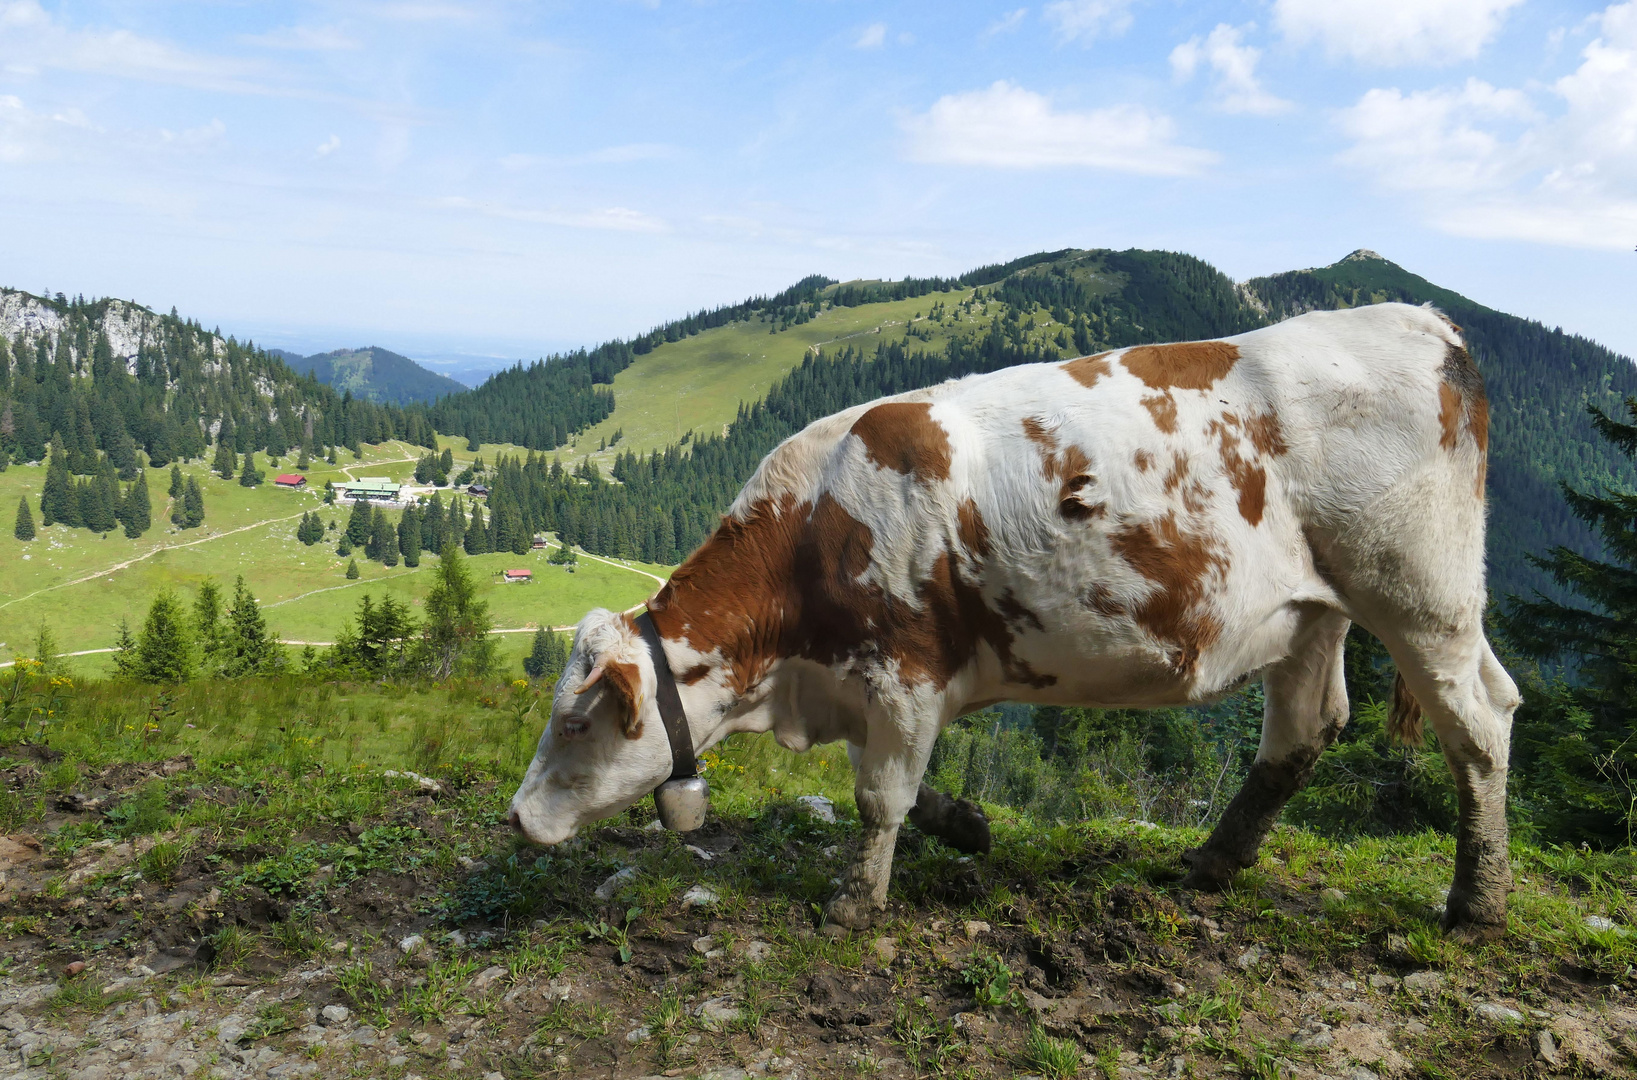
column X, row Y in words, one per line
column 590, row 680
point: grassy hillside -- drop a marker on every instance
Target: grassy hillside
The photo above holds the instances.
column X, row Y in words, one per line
column 375, row 374
column 697, row 384
column 84, row 584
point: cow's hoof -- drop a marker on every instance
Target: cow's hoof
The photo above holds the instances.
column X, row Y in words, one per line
column 966, row 829
column 1210, row 872
column 1473, row 923
column 849, row 911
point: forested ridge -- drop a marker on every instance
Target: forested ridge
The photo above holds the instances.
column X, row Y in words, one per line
column 1067, row 303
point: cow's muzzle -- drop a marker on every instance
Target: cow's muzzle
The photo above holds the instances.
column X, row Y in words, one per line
column 682, row 802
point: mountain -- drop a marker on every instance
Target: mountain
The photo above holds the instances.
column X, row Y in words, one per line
column 837, row 344
column 110, row 377
column 375, row 374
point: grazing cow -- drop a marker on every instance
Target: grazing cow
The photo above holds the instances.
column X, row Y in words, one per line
column 1150, row 526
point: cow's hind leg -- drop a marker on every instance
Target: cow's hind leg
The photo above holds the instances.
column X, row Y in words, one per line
column 888, row 771
column 960, row 823
column 1306, row 708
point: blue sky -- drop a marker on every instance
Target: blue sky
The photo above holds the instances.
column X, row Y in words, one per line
column 474, row 179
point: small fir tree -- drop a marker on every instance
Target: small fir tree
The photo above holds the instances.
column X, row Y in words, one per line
column 250, row 476
column 193, row 505
column 227, row 460
column 25, row 520
column 57, row 499
column 358, row 524
column 176, row 488
column 409, row 537
column 164, row 648
column 136, row 509
column 250, row 649
column 548, row 656
column 352, row 570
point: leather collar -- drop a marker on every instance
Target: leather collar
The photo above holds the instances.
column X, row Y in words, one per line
column 675, row 718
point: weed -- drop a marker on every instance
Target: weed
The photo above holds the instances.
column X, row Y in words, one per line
column 230, row 946
column 82, row 994
column 990, row 981
column 164, row 861
column 147, row 811
column 1055, row 1059
column 929, row 1043
column 273, row 1019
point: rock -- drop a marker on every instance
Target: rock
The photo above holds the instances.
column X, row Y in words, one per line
column 755, row 952
column 364, row 1035
column 699, row 852
column 884, row 950
column 1583, row 1045
column 818, row 808
column 488, row 977
column 716, row 1013
column 1429, row 983
column 1383, row 982
column 974, row 927
column 425, row 783
column 331, row 1015
column 493, row 1076
column 637, row 1035
column 699, row 896
column 706, row 946
column 1249, row 958
column 616, row 881
column 1315, row 1036
column 724, row 1072
column 560, row 990
column 1492, row 1012
column 1359, row 1072
column 1546, row 1047
column 74, row 969
column 456, row 938
column 1332, row 896
column 411, row 944
column 655, row 825
column 1603, row 925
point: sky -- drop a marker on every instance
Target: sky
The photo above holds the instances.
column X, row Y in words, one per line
column 472, row 182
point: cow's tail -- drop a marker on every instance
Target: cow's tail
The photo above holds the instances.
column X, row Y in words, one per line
column 1404, row 718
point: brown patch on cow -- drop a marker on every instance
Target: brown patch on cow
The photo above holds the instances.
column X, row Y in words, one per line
column 1088, row 369
column 1248, row 477
column 970, row 527
column 1180, row 482
column 1180, row 564
column 1013, row 611
column 1163, row 408
column 1190, row 365
column 1449, row 415
column 902, row 436
column 1100, row 598
column 1143, row 460
column 694, row 674
column 784, row 580
column 624, row 681
column 1075, row 510
column 1068, row 465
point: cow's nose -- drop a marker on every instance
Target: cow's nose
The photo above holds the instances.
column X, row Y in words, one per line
column 514, row 820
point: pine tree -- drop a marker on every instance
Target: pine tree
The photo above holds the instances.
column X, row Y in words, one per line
column 57, row 499
column 344, row 548
column 250, row 476
column 548, row 657
column 446, row 461
column 249, row 648
column 409, row 537
column 377, row 535
column 352, row 570
column 477, row 536
column 164, row 649
column 305, row 460
column 193, row 505
column 1578, row 743
column 99, row 499
column 358, row 525
column 25, row 519
column 226, row 460
column 456, row 636
column 209, row 634
column 136, row 509
column 176, row 488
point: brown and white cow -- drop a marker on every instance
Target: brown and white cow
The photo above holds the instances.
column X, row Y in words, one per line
column 1150, row 526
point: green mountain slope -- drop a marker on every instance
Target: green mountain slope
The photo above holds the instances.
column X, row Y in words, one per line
column 1039, row 308
column 377, row 374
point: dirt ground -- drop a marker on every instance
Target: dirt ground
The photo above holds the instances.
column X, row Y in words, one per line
column 419, row 940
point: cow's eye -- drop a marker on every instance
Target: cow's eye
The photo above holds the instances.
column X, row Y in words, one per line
column 575, row 727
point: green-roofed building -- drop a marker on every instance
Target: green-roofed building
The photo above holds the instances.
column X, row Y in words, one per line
column 375, row 489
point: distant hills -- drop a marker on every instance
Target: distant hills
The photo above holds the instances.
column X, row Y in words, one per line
column 374, row 374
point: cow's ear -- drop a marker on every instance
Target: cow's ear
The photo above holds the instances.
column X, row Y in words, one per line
column 624, row 683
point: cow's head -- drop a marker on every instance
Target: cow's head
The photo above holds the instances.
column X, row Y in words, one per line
column 604, row 746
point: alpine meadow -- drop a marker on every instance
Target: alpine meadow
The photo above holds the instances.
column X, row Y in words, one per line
column 283, row 632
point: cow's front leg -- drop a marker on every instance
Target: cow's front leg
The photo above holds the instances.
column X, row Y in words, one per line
column 888, row 775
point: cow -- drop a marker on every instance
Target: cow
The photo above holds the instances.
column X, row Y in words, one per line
column 1151, row 526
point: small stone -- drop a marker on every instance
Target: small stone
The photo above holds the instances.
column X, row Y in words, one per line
column 364, row 1035
column 818, row 808
column 488, row 977
column 1173, row 988
column 717, row 1013
column 1249, row 958
column 756, row 952
column 1546, row 1047
column 456, row 938
column 1416, row 1028
column 331, row 1015
column 1425, row 982
column 637, row 1035
column 493, row 1076
column 1332, row 896
column 655, row 825
column 974, row 927
column 885, row 951
column 1179, row 1066
column 706, row 946
column 1383, row 982
column 699, row 852
column 411, row 944
column 1315, row 1036
column 1359, row 1072
column 699, row 896
column 1602, row 924
column 74, row 969
column 1495, row 1013
column 616, row 881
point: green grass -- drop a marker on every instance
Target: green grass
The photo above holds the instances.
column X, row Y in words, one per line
column 696, row 384
column 83, row 584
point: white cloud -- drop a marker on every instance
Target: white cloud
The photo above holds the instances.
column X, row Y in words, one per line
column 1394, row 32
column 328, row 146
column 304, row 38
column 1007, row 22
column 872, row 37
column 1088, row 20
column 1234, row 66
column 611, row 218
column 1555, row 165
column 1009, row 127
